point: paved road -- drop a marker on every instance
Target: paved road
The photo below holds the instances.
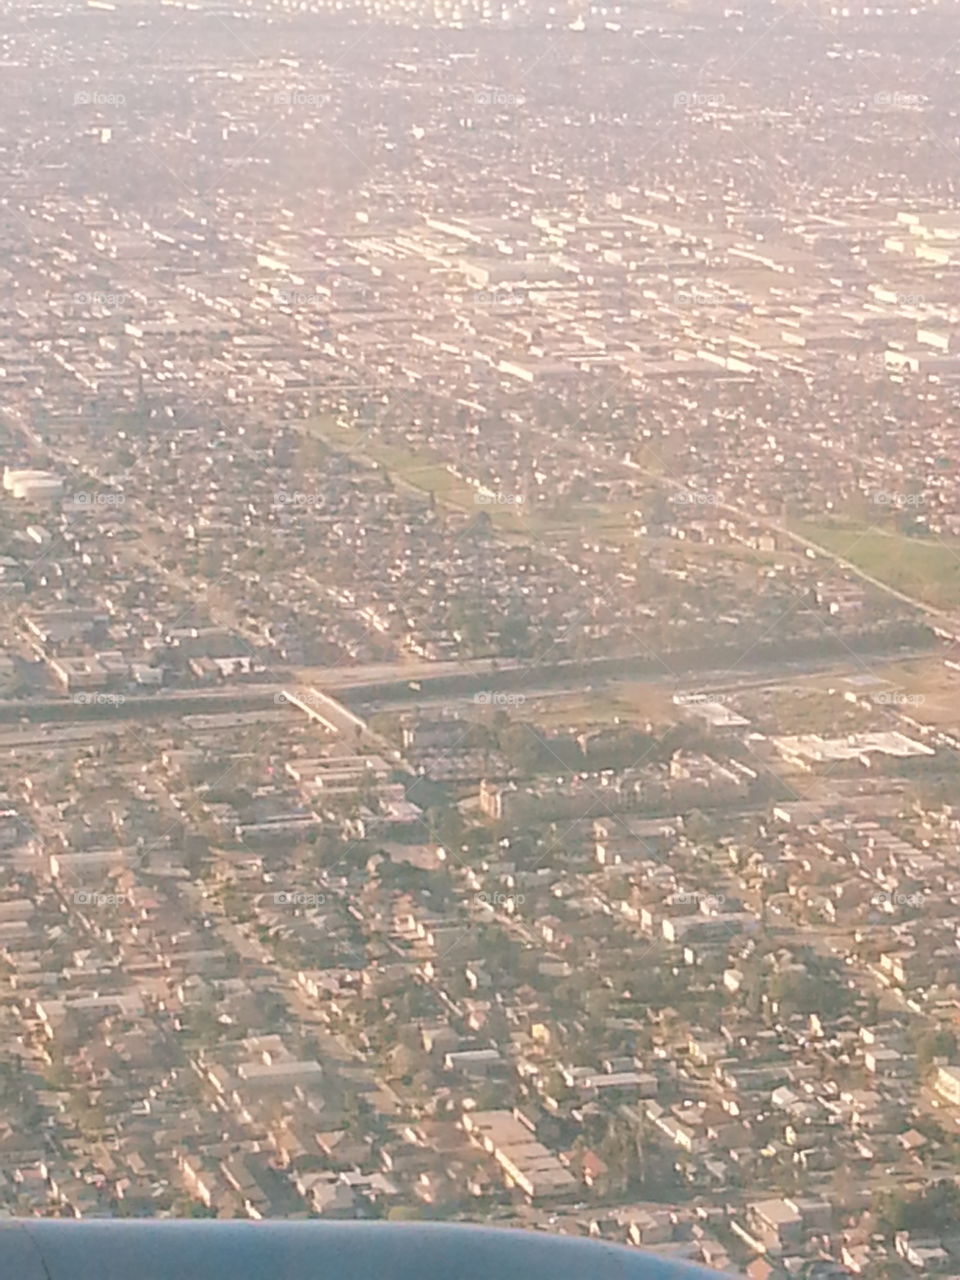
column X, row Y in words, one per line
column 367, row 685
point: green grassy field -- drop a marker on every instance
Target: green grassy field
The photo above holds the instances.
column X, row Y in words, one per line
column 928, row 568
column 422, row 469
column 418, row 468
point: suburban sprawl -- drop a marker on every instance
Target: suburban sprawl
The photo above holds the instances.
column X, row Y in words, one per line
column 480, row 620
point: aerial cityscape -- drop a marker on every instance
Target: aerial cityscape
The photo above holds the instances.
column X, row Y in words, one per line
column 480, row 620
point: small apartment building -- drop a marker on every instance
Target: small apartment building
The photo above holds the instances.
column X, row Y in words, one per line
column 947, row 1084
column 201, row 1182
column 79, row 674
column 524, row 1163
column 121, row 1004
column 777, row 1224
column 619, row 1085
column 474, row 1062
column 89, row 866
column 282, row 1076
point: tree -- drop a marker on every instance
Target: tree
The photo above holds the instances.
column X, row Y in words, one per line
column 935, row 1209
column 446, row 825
column 697, row 827
column 523, row 748
column 477, row 844
column 939, row 1042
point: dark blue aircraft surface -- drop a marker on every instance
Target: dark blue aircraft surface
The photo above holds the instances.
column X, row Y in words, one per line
column 57, row 1249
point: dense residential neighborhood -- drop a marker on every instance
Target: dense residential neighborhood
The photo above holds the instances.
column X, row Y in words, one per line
column 480, row 621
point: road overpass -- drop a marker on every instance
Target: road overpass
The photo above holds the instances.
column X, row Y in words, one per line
column 325, row 711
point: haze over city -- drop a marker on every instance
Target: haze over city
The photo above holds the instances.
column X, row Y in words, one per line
column 480, row 621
